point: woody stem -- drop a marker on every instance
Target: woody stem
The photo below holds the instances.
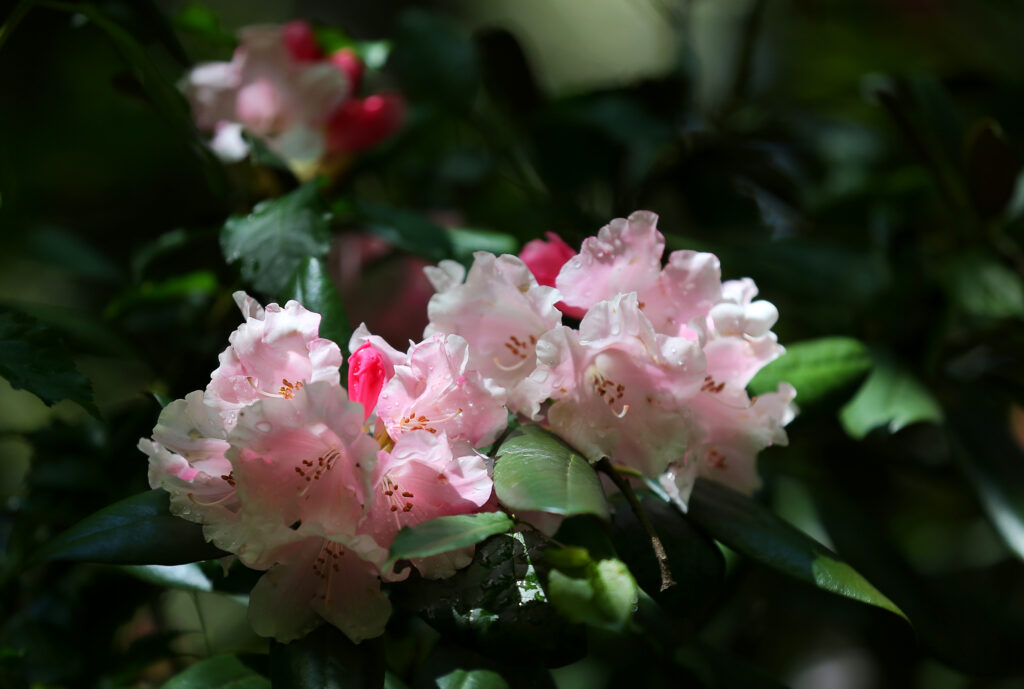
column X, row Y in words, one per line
column 623, row 485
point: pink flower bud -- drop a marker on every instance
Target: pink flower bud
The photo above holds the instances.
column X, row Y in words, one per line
column 300, row 41
column 545, row 260
column 349, row 64
column 362, row 123
column 366, row 376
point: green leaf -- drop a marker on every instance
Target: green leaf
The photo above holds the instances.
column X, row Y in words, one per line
column 434, row 62
column 496, row 603
column 443, row 534
column 471, row 679
column 536, row 471
column 406, row 230
column 279, row 235
column 697, row 564
column 327, row 659
column 187, row 577
column 890, row 397
column 991, row 167
column 983, row 287
column 312, row 287
column 605, row 597
column 816, row 368
column 136, row 531
column 33, row 358
column 219, row 672
column 466, row 241
column 751, row 529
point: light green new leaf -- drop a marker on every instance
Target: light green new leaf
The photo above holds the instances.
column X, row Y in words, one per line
column 890, row 397
column 604, row 597
column 139, row 530
column 536, row 471
column 444, row 534
column 816, row 368
column 219, row 672
column 749, row 528
column 471, row 679
column 279, row 235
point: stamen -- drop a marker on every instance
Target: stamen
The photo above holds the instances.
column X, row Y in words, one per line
column 513, row 367
column 192, row 497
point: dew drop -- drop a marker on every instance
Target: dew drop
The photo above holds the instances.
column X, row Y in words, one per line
column 264, row 427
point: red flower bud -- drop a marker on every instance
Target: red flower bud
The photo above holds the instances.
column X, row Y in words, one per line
column 362, row 123
column 300, row 41
column 349, row 64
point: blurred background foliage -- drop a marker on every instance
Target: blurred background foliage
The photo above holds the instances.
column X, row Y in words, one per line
column 859, row 159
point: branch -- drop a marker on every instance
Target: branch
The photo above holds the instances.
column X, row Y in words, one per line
column 622, row 484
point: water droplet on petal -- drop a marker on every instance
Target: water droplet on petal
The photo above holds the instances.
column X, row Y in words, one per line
column 264, row 427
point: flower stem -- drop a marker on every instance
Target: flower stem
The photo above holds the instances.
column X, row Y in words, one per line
column 622, row 484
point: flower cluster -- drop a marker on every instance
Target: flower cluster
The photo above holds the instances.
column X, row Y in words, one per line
column 297, row 475
column 280, row 87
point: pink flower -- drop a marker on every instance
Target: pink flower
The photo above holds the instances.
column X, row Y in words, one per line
column 360, row 124
column 187, row 459
column 625, row 256
column 501, row 312
column 366, row 376
column 421, row 478
column 619, row 389
column 437, row 391
column 273, row 354
column 545, row 260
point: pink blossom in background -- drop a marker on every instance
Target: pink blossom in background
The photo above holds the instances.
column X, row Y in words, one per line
column 280, row 87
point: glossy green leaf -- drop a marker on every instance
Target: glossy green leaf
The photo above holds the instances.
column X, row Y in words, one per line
column 406, row 230
column 983, row 287
column 444, row 534
column 471, row 679
column 187, row 577
column 536, row 471
column 327, row 659
column 751, row 529
column 496, row 603
column 136, row 531
column 604, row 597
column 312, row 287
column 891, row 397
column 278, row 236
column 465, row 241
column 816, row 368
column 33, row 358
column 219, row 672
column 991, row 167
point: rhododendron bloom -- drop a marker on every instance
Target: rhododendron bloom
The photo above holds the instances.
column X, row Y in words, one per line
column 275, row 88
column 620, row 389
column 436, row 390
column 273, row 354
column 501, row 311
column 422, row 478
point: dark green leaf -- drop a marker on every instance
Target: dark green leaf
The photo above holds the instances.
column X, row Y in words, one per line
column 471, row 679
column 136, row 531
column 496, row 603
column 280, row 234
column 982, row 286
column 406, row 230
column 219, row 672
column 696, row 563
column 443, row 534
column 33, row 358
column 434, row 62
column 751, row 529
column 890, row 397
column 327, row 659
column 991, row 168
column 312, row 287
column 816, row 368
column 536, row 471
